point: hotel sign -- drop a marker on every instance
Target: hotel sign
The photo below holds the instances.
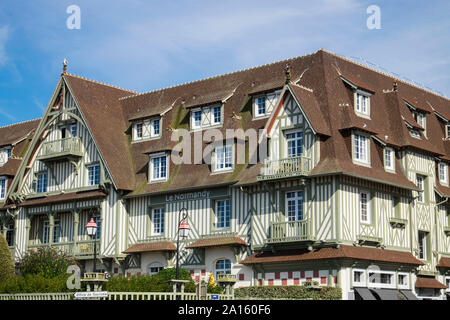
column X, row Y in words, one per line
column 188, row 196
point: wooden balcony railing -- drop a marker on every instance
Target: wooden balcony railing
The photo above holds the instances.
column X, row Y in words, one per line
column 291, row 231
column 287, row 167
column 59, row 149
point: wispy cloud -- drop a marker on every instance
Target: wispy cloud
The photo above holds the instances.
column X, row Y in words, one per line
column 4, row 33
column 7, row 115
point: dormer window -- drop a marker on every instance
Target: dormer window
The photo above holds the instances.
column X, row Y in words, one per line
column 443, row 173
column 447, row 131
column 389, row 159
column 414, row 133
column 263, row 104
column 207, row 116
column 360, row 149
column 223, row 156
column 147, row 129
column 362, row 103
column 421, row 120
column 158, row 167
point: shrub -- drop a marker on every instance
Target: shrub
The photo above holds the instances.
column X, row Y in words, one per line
column 34, row 284
column 147, row 283
column 6, row 261
column 48, row 262
column 289, row 292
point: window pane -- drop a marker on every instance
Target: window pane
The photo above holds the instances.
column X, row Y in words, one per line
column 217, row 115
column 156, row 127
column 223, row 214
column 294, row 206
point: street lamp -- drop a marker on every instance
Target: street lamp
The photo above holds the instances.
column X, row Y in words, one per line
column 91, row 228
column 182, row 231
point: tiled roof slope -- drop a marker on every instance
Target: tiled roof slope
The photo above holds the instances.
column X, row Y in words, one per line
column 101, row 108
column 13, row 133
column 327, row 101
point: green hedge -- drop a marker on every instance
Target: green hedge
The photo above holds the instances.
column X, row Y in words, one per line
column 34, row 284
column 288, row 292
column 6, row 261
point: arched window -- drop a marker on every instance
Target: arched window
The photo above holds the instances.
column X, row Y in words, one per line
column 154, row 268
column 223, row 266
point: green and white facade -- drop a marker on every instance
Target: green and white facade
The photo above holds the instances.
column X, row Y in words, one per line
column 307, row 195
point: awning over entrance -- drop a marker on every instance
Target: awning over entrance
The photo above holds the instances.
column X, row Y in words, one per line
column 365, row 293
column 429, row 283
column 217, row 242
column 409, row 295
column 151, row 247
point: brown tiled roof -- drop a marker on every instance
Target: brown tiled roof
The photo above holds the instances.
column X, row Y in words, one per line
column 444, row 263
column 10, row 167
column 217, row 242
column 15, row 132
column 357, row 83
column 344, row 252
column 209, row 98
column 63, row 197
column 429, row 283
column 151, row 247
column 101, row 108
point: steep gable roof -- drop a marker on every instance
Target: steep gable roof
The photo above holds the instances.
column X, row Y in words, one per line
column 100, row 106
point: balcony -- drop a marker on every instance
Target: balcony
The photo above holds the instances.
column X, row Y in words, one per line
column 287, row 167
column 63, row 149
column 82, row 249
column 291, row 231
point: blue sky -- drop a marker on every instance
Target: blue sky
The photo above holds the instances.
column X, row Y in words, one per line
column 144, row 45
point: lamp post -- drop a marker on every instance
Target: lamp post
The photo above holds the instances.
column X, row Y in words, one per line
column 182, row 231
column 91, row 228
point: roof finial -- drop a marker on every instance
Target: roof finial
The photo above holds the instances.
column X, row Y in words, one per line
column 65, row 62
column 287, row 71
column 395, row 86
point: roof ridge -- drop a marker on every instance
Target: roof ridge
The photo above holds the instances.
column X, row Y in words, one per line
column 220, row 75
column 384, row 73
column 19, row 123
column 101, row 83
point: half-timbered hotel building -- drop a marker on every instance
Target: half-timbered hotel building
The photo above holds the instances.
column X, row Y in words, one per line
column 352, row 191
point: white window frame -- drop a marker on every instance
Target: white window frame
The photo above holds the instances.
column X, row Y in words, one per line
column 3, row 188
column 443, row 173
column 213, row 118
column 56, row 226
column 287, row 140
column 222, row 270
column 359, row 97
column 88, row 167
column 38, row 175
column 414, row 133
column 135, row 131
column 151, row 159
column 362, row 282
column 161, row 222
column 424, row 244
column 379, row 284
column 391, row 157
column 193, row 124
column 420, row 118
column 362, row 146
column 447, row 131
column 217, row 218
column 256, row 113
column 295, row 198
column 72, row 128
column 156, row 265
column 216, row 158
column 420, row 182
column 368, row 204
column 152, row 129
column 403, row 286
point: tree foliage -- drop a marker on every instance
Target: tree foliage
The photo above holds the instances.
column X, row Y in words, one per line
column 6, row 261
column 47, row 262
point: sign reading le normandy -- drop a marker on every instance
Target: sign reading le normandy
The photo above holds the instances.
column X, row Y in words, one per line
column 188, row 196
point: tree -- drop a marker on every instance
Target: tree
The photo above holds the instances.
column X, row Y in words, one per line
column 6, row 261
column 47, row 262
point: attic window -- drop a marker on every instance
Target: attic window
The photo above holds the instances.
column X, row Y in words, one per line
column 208, row 116
column 447, row 131
column 264, row 104
column 147, row 129
column 414, row 133
column 420, row 118
column 362, row 103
